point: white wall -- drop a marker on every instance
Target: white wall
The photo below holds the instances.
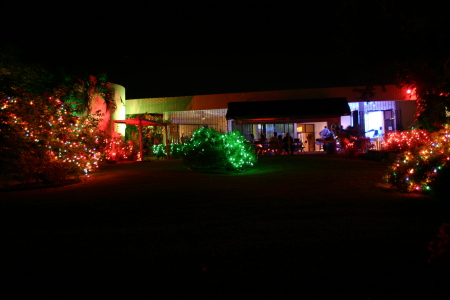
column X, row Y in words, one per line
column 119, row 113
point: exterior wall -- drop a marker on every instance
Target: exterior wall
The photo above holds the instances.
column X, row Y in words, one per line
column 98, row 106
column 119, row 113
column 220, row 101
column 191, row 112
column 408, row 111
column 160, row 105
column 188, row 121
column 106, row 124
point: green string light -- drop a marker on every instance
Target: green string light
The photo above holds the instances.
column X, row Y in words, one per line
column 212, row 150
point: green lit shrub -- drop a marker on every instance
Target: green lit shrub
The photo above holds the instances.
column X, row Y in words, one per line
column 160, row 150
column 210, row 150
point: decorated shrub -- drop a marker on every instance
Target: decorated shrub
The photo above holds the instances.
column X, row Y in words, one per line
column 211, row 150
column 423, row 167
column 175, row 150
column 49, row 132
column 119, row 150
column 43, row 141
column 406, row 140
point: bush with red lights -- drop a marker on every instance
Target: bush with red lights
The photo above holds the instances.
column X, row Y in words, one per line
column 423, row 166
column 406, row 140
column 42, row 140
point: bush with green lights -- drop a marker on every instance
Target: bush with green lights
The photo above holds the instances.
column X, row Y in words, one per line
column 175, row 150
column 210, row 150
column 424, row 167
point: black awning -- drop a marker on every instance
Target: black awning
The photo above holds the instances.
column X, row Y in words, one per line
column 302, row 109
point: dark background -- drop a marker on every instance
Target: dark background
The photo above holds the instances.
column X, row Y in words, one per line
column 175, row 48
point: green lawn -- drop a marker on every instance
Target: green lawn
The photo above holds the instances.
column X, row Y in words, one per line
column 307, row 226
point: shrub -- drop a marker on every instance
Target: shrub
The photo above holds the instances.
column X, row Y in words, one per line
column 118, row 150
column 175, row 150
column 406, row 140
column 42, row 141
column 47, row 131
column 424, row 167
column 211, row 150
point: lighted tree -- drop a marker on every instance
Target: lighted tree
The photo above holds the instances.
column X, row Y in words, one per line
column 44, row 134
column 396, row 42
column 211, row 150
column 424, row 167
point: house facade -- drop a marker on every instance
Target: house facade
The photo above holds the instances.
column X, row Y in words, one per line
column 301, row 112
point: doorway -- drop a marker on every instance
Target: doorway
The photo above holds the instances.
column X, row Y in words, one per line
column 305, row 133
column 374, row 123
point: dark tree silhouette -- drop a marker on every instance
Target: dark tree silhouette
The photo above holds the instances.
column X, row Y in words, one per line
column 386, row 42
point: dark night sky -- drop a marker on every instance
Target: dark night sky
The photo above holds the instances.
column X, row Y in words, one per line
column 175, row 49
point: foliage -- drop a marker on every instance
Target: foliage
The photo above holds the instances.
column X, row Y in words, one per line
column 79, row 92
column 211, row 150
column 354, row 132
column 352, row 139
column 353, row 144
column 42, row 140
column 17, row 77
column 423, row 168
column 119, row 150
column 151, row 135
column 417, row 57
column 46, row 133
column 432, row 109
column 175, row 150
column 409, row 140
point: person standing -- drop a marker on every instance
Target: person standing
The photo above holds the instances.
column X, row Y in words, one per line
column 274, row 143
column 288, row 144
column 324, row 133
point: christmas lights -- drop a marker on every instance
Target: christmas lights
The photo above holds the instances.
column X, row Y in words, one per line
column 424, row 158
column 118, row 150
column 211, row 150
column 175, row 150
column 43, row 140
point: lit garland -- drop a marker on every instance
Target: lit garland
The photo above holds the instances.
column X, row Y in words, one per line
column 211, row 150
column 175, row 150
column 406, row 140
column 118, row 150
column 417, row 168
column 44, row 141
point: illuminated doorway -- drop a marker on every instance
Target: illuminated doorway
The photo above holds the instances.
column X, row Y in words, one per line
column 374, row 123
column 305, row 133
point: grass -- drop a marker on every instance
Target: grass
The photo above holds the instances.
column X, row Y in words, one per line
column 304, row 226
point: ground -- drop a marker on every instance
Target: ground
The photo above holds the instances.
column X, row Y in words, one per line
column 306, row 226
